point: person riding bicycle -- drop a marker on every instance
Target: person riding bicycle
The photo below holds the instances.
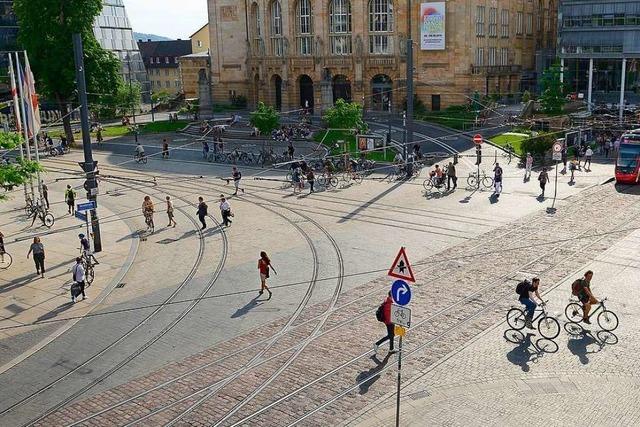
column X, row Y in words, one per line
column 582, row 289
column 139, row 151
column 437, row 176
column 526, row 290
column 329, row 167
column 85, row 248
column 147, row 211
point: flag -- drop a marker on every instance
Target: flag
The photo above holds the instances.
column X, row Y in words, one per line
column 31, row 97
column 14, row 95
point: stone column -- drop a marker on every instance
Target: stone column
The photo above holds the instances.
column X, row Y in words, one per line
column 590, row 87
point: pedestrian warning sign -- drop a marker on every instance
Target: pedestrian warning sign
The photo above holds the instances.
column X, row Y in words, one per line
column 401, row 268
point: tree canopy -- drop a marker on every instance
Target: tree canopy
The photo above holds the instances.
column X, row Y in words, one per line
column 265, row 118
column 46, row 29
column 552, row 99
column 18, row 173
column 345, row 115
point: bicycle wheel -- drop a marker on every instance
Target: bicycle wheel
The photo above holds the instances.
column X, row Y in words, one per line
column 322, row 180
column 472, row 181
column 516, row 319
column 144, row 160
column 89, row 275
column 6, row 261
column 358, row 178
column 289, row 177
column 392, row 177
column 333, row 182
column 607, row 320
column 573, row 311
column 48, row 220
column 549, row 327
column 487, row 181
column 428, row 185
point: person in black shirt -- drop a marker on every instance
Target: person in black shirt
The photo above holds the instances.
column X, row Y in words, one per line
column 202, row 212
column 526, row 298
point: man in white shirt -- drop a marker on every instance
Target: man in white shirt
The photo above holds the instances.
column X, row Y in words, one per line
column 78, row 278
column 528, row 165
column 139, row 150
column 587, row 158
column 225, row 210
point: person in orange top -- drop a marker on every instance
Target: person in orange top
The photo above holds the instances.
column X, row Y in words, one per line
column 386, row 319
column 264, row 264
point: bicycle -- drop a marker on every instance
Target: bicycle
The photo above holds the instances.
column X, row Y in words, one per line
column 5, row 261
column 473, row 180
column 606, row 319
column 356, row 177
column 327, row 181
column 548, row 326
column 436, row 183
column 216, row 157
column 140, row 158
column 38, row 212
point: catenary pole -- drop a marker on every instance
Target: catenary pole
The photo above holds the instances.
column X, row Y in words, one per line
column 16, row 113
column 25, row 129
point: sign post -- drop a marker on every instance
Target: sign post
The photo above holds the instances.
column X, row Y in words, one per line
column 556, row 156
column 400, row 314
column 477, row 140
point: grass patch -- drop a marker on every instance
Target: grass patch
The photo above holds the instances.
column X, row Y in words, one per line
column 456, row 117
column 514, row 139
column 160, row 127
column 350, row 139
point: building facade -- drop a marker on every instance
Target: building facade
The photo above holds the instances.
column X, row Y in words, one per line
column 599, row 45
column 161, row 59
column 8, row 40
column 200, row 40
column 296, row 53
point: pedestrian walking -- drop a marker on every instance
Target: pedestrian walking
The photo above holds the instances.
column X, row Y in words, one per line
column 608, row 146
column 497, row 179
column 236, row 175
column 165, row 148
column 78, row 273
column 225, row 211
column 170, row 212
column 543, row 178
column 264, row 265
column 2, row 250
column 147, row 211
column 563, row 155
column 384, row 315
column 296, row 177
column 205, row 149
column 572, row 167
column 311, row 178
column 528, row 165
column 587, row 159
column 37, row 248
column 70, row 198
column 291, row 150
column 202, row 212
column 45, row 194
column 451, row 176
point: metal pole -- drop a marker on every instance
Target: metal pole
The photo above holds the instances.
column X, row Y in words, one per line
column 561, row 70
column 25, row 129
column 16, row 115
column 91, row 184
column 555, row 190
column 399, row 380
column 589, row 89
column 35, row 140
column 622, row 79
column 409, row 124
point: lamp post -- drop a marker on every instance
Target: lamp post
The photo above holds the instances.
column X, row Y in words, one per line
column 133, row 107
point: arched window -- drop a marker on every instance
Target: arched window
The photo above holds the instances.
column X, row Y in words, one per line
column 277, row 42
column 304, row 27
column 340, row 27
column 380, row 26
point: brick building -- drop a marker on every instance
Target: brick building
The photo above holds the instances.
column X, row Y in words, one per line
column 161, row 61
column 293, row 52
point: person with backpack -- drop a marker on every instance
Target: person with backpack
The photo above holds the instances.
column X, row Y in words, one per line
column 526, row 291
column 383, row 314
column 497, row 179
column 70, row 198
column 202, row 212
column 582, row 289
column 264, row 264
column 543, row 179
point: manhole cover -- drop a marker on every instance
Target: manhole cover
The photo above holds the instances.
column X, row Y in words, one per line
column 120, row 285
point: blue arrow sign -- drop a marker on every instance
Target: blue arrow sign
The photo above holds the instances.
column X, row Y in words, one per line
column 401, row 292
column 86, row 206
column 81, row 216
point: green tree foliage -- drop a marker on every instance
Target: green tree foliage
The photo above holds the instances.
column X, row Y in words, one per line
column 18, row 173
column 552, row 99
column 538, row 144
column 345, row 115
column 526, row 96
column 46, row 29
column 128, row 98
column 161, row 97
column 265, row 118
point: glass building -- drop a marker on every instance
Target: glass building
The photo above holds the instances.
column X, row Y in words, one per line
column 599, row 46
column 8, row 38
column 113, row 30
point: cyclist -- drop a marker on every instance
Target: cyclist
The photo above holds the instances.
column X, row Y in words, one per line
column 582, row 289
column 85, row 249
column 2, row 251
column 526, row 290
column 329, row 168
column 147, row 211
column 139, row 151
column 437, row 176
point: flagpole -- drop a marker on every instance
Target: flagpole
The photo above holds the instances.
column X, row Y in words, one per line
column 24, row 125
column 34, row 120
column 16, row 115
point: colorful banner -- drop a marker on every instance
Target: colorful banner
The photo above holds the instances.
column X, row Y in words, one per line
column 432, row 26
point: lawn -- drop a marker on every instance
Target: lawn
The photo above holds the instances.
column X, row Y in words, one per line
column 350, row 139
column 159, row 127
column 515, row 139
column 455, row 117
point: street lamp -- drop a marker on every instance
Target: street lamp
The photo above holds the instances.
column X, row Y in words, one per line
column 133, row 107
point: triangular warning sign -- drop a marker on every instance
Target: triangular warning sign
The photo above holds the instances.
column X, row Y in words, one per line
column 401, row 268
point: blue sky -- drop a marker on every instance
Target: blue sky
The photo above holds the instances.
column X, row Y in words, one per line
column 170, row 18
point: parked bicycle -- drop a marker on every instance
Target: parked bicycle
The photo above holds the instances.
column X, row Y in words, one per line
column 606, row 319
column 39, row 212
column 548, row 326
column 58, row 150
column 433, row 183
column 5, row 261
column 474, row 180
column 347, row 177
column 327, row 181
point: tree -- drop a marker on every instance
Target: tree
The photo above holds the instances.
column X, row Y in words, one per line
column 552, row 99
column 265, row 118
column 18, row 173
column 127, row 98
column 345, row 115
column 161, row 97
column 46, row 28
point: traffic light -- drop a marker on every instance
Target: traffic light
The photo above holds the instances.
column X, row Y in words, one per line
column 478, row 154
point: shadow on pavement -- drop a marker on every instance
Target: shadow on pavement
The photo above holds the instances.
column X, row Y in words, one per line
column 578, row 346
column 53, row 313
column 372, row 375
column 368, row 203
column 526, row 350
column 247, row 307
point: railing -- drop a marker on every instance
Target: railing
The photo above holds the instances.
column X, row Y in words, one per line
column 496, row 70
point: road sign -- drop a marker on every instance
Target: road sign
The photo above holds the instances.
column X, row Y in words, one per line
column 557, row 151
column 81, row 216
column 401, row 269
column 87, row 206
column 399, row 331
column 400, row 315
column 401, row 292
column 477, row 139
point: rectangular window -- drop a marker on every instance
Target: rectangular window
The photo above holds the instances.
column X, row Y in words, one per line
column 480, row 21
column 493, row 22
column 167, row 83
column 177, row 83
column 153, row 83
column 529, row 24
column 519, row 24
column 380, row 44
column 504, row 56
column 480, row 56
column 340, row 45
column 504, row 23
column 492, row 56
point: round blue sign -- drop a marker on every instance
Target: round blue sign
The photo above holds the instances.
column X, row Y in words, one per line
column 401, row 292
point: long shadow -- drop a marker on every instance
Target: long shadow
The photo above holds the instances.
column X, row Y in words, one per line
column 520, row 355
column 372, row 375
column 468, row 198
column 247, row 307
column 494, row 198
column 20, row 281
column 365, row 205
column 578, row 346
column 53, row 313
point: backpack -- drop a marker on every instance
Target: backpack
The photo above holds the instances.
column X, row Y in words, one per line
column 380, row 313
column 577, row 286
column 521, row 288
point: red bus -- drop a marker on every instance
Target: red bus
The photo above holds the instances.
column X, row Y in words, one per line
column 628, row 160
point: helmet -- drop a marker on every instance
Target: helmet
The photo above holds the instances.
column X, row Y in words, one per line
column 81, row 235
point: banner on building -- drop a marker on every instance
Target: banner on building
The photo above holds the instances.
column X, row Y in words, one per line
column 432, row 26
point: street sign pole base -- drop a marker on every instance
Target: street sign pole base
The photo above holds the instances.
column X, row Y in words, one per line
column 551, row 210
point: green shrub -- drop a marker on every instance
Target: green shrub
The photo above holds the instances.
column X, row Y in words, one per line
column 526, row 96
column 539, row 144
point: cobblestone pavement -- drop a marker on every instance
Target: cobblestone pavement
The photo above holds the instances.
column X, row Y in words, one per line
column 316, row 367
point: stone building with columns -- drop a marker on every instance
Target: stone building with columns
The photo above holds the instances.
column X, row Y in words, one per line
column 296, row 53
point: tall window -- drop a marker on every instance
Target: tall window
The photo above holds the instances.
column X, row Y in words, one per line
column 380, row 26
column 340, row 27
column 529, row 26
column 504, row 23
column 304, row 27
column 277, row 42
column 492, row 56
column 480, row 21
column 256, row 31
column 480, row 56
column 493, row 22
column 539, row 17
column 504, row 56
column 519, row 24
